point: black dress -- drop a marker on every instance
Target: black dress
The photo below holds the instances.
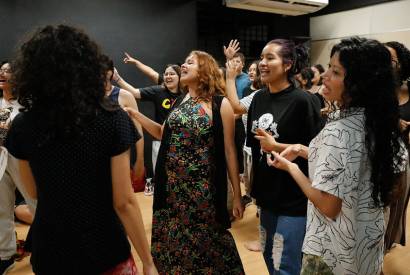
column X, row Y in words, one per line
column 76, row 229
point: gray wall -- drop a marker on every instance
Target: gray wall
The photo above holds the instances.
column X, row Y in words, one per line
column 157, row 32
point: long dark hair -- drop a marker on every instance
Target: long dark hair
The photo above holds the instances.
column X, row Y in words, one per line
column 369, row 83
column 59, row 78
column 403, row 56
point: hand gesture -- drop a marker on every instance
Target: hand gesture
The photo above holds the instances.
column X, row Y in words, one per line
column 278, row 161
column 292, row 152
column 238, row 208
column 116, row 76
column 267, row 141
column 128, row 59
column 232, row 70
column 232, row 48
column 403, row 125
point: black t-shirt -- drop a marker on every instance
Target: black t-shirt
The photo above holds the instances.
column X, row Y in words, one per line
column 75, row 227
column 291, row 117
column 162, row 99
column 247, row 91
column 404, row 111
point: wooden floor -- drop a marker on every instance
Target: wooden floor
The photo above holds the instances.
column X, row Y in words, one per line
column 242, row 230
column 396, row 262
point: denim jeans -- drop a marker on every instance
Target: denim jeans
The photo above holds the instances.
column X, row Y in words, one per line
column 281, row 240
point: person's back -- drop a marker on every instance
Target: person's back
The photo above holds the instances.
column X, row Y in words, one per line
column 75, row 214
column 72, row 145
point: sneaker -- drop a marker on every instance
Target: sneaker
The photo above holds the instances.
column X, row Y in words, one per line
column 149, row 187
column 246, row 200
column 6, row 265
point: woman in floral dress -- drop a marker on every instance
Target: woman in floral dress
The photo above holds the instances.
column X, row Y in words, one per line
column 190, row 218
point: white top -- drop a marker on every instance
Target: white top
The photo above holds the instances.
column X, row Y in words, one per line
column 8, row 110
column 339, row 165
column 246, row 102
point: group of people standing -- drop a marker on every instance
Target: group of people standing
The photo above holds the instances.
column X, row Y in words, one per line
column 322, row 190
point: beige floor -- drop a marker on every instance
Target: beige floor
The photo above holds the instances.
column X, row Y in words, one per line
column 396, row 262
column 242, row 230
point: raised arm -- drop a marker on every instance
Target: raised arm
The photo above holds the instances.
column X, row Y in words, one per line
column 125, row 85
column 228, row 122
column 231, row 73
column 147, row 70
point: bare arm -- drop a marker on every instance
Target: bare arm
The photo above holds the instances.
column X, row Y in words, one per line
column 155, row 129
column 328, row 205
column 228, row 122
column 295, row 150
column 27, row 178
column 147, row 70
column 125, row 85
column 231, row 73
column 268, row 142
column 127, row 100
column 127, row 208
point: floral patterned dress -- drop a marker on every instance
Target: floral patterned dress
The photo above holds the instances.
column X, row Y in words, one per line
column 186, row 239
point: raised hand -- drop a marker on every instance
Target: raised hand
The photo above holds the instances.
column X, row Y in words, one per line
column 233, row 47
column 116, row 76
column 232, row 70
column 128, row 59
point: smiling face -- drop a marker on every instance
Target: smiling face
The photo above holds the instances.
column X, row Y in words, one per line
column 5, row 75
column 189, row 70
column 272, row 68
column 171, row 78
column 333, row 80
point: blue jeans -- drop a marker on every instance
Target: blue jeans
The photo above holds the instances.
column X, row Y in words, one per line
column 281, row 239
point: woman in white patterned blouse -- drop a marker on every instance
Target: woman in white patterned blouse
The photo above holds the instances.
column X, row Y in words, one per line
column 353, row 163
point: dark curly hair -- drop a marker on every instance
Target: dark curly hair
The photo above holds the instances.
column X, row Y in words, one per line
column 307, row 74
column 403, row 56
column 369, row 83
column 59, row 77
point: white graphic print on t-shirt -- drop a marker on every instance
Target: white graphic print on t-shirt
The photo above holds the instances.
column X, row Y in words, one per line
column 266, row 122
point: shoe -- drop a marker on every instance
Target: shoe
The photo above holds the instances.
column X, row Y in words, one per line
column 246, row 200
column 149, row 187
column 6, row 265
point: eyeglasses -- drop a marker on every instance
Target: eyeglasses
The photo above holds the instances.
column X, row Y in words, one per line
column 5, row 71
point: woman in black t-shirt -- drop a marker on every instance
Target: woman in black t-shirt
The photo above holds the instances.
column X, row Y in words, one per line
column 279, row 115
column 163, row 96
column 73, row 145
